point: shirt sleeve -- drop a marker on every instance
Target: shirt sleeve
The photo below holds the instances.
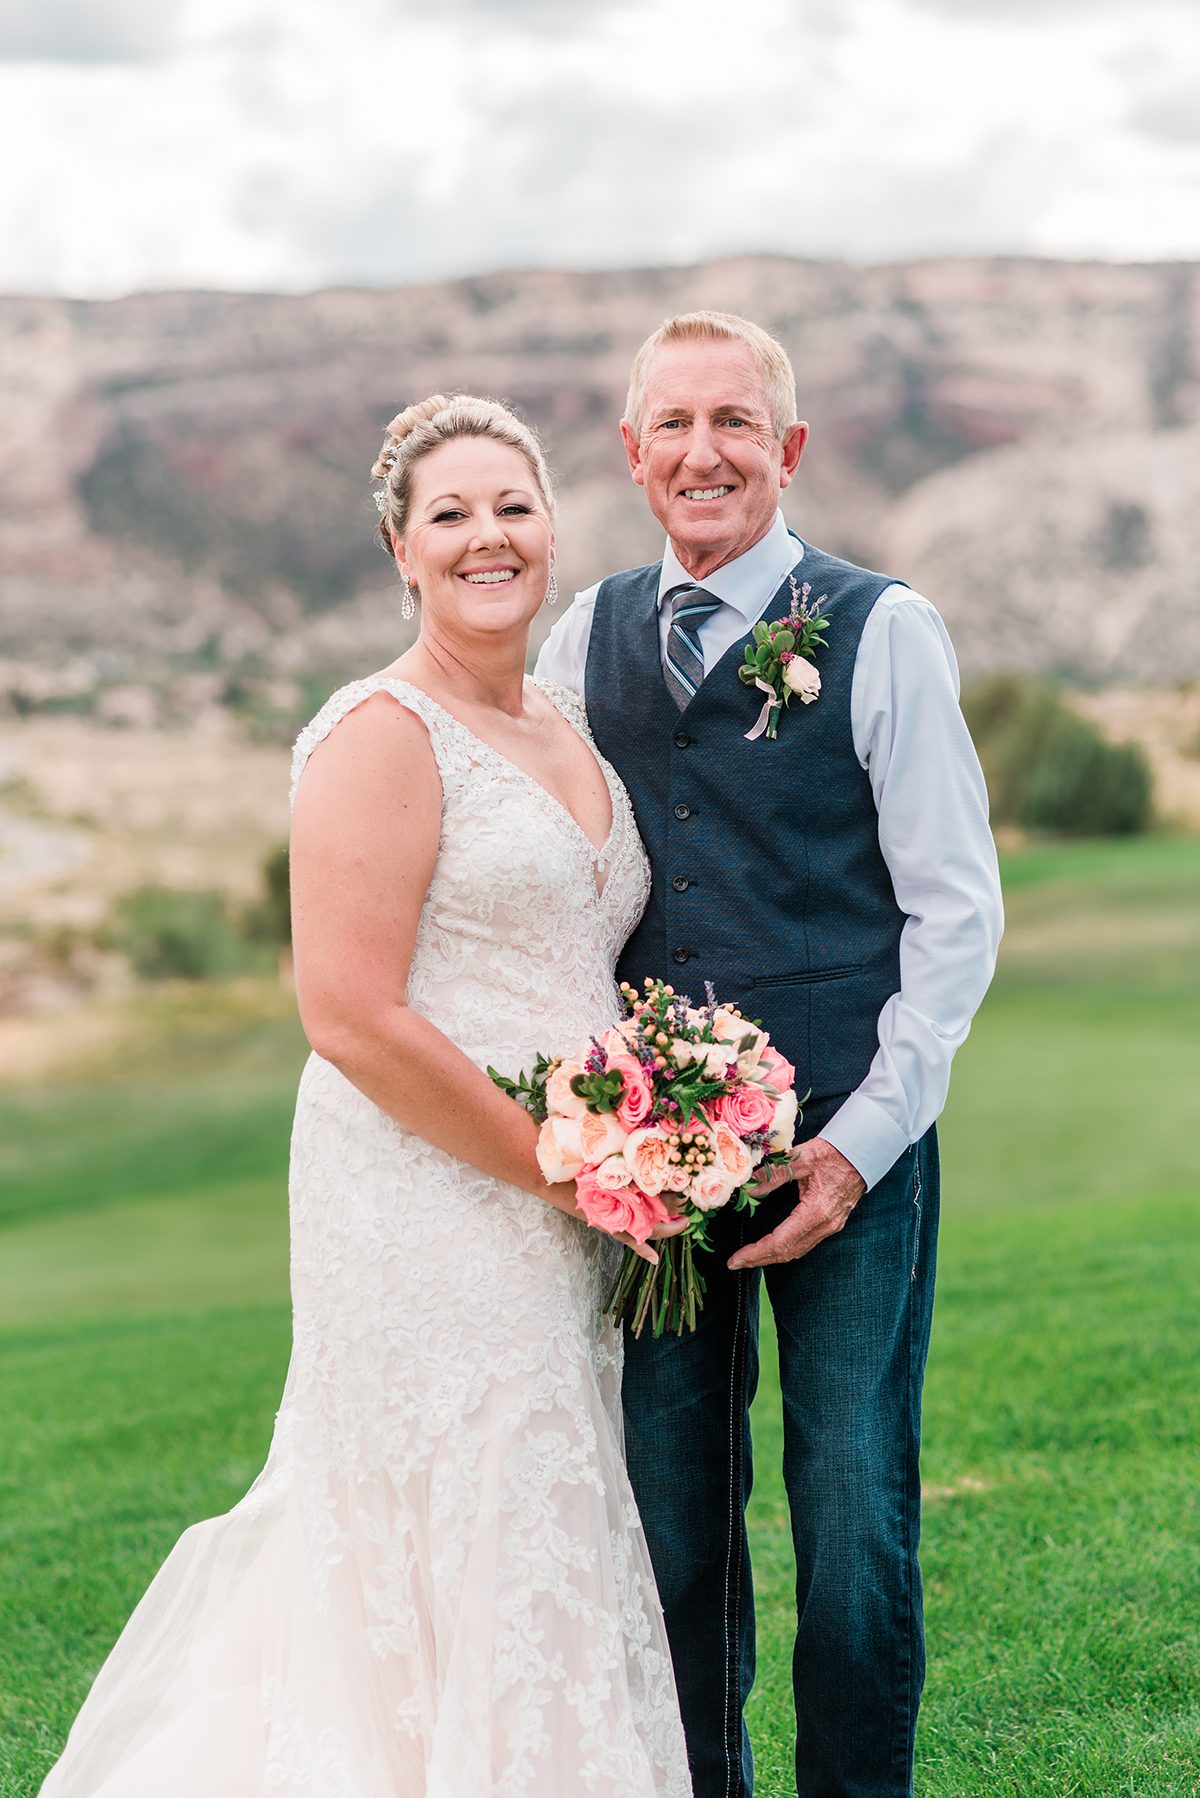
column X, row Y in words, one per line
column 563, row 656
column 910, row 736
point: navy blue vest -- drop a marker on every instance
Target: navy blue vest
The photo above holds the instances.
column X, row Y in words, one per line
column 768, row 876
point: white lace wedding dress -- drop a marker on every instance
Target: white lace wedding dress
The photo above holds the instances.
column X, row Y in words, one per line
column 438, row 1587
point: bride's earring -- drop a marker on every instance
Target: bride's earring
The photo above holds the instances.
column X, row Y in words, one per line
column 552, row 589
column 407, row 604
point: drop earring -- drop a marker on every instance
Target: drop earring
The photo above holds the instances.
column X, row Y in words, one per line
column 407, row 603
column 552, row 589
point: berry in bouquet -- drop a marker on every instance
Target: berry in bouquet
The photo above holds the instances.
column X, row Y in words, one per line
column 671, row 1114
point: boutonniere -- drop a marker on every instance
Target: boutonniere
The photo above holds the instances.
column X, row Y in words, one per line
column 776, row 662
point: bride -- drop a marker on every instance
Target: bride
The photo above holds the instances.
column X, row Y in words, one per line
column 438, row 1586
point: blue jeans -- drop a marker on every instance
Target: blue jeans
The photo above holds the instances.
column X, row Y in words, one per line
column 853, row 1322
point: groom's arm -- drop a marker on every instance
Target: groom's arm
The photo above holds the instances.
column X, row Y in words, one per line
column 929, row 791
column 563, row 656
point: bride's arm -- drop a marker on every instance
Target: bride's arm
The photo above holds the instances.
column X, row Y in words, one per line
column 365, row 831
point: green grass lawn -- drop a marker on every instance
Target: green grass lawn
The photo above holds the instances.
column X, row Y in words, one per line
column 144, row 1337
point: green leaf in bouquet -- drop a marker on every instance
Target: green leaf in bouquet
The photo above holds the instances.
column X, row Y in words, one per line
column 528, row 1090
column 601, row 1092
column 690, row 1095
column 761, row 632
column 784, row 639
column 747, row 672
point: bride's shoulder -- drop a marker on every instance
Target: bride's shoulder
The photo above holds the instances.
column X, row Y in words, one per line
column 373, row 732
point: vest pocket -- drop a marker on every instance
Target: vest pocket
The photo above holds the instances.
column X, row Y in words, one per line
column 808, row 976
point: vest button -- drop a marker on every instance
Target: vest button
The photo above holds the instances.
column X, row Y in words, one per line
column 680, row 955
column 683, row 811
column 681, row 883
column 681, row 739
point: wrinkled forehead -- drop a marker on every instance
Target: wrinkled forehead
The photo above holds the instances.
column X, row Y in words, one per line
column 705, row 376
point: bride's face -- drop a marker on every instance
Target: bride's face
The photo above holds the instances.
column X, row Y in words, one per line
column 479, row 540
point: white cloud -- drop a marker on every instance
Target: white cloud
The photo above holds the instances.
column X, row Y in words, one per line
column 86, row 31
column 287, row 143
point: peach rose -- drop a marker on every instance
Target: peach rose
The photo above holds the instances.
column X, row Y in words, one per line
column 745, row 1109
column 712, row 1187
column 783, row 1123
column 613, row 1173
column 559, row 1149
column 559, row 1097
column 601, row 1135
column 732, row 1154
column 648, row 1157
column 617, row 1039
column 638, row 1098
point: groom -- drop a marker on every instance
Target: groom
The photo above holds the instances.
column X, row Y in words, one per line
column 840, row 884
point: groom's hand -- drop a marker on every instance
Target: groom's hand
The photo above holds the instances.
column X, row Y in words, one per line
column 830, row 1188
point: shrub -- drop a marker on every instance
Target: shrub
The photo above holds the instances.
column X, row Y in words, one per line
column 171, row 934
column 1047, row 768
column 269, row 918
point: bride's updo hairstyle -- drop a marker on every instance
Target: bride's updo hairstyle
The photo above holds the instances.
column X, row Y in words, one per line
column 428, row 425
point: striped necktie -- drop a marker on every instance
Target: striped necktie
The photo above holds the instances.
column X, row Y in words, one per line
column 683, row 664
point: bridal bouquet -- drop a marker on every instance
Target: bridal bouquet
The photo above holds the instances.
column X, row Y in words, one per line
column 668, row 1115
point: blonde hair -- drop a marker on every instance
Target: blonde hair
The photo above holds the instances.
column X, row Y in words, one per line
column 426, row 426
column 715, row 326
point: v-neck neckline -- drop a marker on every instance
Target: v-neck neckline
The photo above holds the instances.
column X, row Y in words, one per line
column 598, row 857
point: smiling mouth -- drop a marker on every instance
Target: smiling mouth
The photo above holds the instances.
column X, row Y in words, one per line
column 490, row 577
column 706, row 493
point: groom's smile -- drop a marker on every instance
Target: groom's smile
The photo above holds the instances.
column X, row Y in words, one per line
column 707, row 452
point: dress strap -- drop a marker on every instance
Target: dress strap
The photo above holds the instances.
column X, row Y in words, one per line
column 449, row 739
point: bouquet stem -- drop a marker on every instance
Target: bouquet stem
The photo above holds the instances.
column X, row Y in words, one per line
column 668, row 1296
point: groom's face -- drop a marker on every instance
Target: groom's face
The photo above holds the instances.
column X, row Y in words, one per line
column 707, row 453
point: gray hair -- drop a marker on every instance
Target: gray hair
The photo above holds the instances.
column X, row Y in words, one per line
column 687, row 327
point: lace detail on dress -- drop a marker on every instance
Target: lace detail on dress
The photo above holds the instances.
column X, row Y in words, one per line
column 439, row 1585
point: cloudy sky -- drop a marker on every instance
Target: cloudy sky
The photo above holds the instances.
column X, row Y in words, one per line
column 299, row 143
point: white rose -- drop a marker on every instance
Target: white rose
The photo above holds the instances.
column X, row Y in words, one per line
column 682, row 1053
column 717, row 1057
column 801, row 677
column 559, row 1149
column 783, row 1124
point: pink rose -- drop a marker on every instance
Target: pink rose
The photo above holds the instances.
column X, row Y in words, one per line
column 745, row 1109
column 559, row 1149
column 601, row 1134
column 648, row 1210
column 618, row 1210
column 559, row 1097
column 774, row 1070
column 648, row 1157
column 605, row 1207
column 732, row 1154
column 638, row 1098
column 712, row 1187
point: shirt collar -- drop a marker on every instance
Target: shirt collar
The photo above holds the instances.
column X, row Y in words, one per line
column 746, row 583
